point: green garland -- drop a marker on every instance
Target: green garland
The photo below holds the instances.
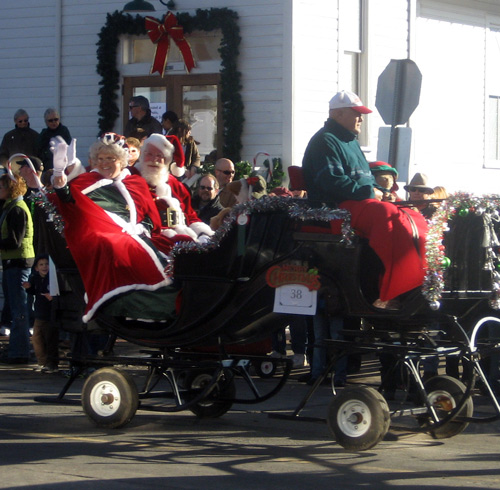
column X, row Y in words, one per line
column 118, row 23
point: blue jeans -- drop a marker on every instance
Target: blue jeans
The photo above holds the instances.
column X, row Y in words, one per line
column 19, row 341
column 326, row 327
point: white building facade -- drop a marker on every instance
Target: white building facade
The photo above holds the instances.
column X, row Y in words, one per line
column 293, row 56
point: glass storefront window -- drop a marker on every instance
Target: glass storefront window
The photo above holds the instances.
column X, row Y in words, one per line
column 199, row 108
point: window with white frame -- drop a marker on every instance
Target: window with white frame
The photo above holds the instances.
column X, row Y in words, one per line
column 492, row 106
column 351, row 43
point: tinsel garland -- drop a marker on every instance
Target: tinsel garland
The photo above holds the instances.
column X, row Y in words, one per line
column 296, row 209
column 118, row 23
column 460, row 204
column 40, row 199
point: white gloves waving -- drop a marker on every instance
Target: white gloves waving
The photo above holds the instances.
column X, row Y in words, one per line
column 59, row 148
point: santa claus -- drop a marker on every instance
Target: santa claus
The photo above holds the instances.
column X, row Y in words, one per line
column 156, row 164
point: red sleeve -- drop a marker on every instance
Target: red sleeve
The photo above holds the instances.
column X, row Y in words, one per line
column 180, row 192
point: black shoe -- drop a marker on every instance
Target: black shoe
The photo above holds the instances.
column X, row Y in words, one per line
column 14, row 360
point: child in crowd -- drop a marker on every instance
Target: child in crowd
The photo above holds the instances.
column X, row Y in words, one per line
column 45, row 336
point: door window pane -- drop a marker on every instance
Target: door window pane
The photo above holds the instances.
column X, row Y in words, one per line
column 199, row 108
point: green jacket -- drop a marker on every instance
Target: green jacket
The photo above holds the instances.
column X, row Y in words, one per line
column 335, row 168
column 16, row 231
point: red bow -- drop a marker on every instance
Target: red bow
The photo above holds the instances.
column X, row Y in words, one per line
column 160, row 35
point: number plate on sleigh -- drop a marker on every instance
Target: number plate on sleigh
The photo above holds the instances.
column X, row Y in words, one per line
column 296, row 299
column 296, row 288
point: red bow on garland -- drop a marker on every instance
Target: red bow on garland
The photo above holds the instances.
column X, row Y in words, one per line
column 160, row 35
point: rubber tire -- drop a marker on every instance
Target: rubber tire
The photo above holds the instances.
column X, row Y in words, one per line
column 265, row 369
column 453, row 389
column 373, row 418
column 123, row 399
column 212, row 406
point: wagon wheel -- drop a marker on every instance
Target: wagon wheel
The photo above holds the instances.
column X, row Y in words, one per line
column 109, row 398
column 219, row 399
column 359, row 418
column 444, row 393
column 265, row 369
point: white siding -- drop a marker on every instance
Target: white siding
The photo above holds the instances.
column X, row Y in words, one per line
column 315, row 68
column 30, row 79
column 449, row 125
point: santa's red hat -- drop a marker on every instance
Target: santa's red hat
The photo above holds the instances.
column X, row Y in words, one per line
column 171, row 149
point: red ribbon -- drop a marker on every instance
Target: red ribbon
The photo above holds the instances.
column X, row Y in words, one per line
column 160, row 35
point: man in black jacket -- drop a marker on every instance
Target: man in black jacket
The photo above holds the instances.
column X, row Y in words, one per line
column 206, row 201
column 141, row 118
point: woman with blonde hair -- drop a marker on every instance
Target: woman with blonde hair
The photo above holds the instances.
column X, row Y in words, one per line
column 18, row 255
column 113, row 230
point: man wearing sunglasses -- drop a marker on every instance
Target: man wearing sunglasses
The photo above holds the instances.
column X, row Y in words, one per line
column 141, row 118
column 206, row 202
column 54, row 128
column 22, row 139
column 224, row 172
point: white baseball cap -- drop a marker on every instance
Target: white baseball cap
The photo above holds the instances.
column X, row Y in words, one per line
column 348, row 99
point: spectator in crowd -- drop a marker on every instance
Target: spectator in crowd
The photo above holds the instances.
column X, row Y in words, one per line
column 141, row 118
column 168, row 119
column 16, row 248
column 24, row 166
column 206, row 202
column 224, row 172
column 134, row 150
column 21, row 139
column 54, row 128
column 419, row 192
column 45, row 335
column 182, row 129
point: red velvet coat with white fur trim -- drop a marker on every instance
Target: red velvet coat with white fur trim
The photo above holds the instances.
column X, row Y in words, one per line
column 174, row 194
column 107, row 246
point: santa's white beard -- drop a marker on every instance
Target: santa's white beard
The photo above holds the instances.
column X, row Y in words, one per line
column 154, row 175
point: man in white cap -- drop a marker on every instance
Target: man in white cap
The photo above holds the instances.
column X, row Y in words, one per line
column 337, row 173
column 161, row 163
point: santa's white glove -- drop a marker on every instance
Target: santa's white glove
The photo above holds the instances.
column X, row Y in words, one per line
column 59, row 148
column 203, row 239
column 72, row 152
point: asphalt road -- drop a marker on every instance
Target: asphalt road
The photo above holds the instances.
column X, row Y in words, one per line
column 49, row 446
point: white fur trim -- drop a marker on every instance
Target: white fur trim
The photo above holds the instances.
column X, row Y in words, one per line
column 78, row 169
column 199, row 227
column 177, row 171
column 185, row 230
column 168, row 232
column 163, row 190
column 123, row 289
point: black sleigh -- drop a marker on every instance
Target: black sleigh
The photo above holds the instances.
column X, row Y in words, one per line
column 231, row 305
